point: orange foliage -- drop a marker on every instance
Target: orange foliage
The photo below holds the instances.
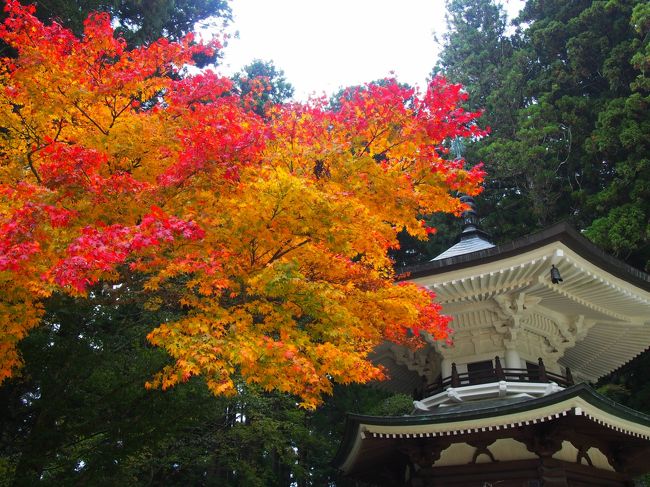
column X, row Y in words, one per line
column 272, row 234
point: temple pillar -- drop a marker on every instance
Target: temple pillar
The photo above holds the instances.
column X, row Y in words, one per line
column 445, row 367
column 512, row 359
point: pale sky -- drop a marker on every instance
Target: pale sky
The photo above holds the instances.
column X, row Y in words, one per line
column 325, row 45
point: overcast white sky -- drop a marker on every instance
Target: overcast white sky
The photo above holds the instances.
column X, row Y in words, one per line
column 325, row 45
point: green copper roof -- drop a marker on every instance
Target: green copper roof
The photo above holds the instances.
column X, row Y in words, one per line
column 494, row 409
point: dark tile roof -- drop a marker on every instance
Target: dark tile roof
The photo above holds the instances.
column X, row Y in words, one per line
column 489, row 409
column 560, row 232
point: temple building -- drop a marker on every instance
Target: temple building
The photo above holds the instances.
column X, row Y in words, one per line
column 508, row 403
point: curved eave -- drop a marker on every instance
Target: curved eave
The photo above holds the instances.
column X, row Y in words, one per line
column 611, row 298
column 579, row 400
column 561, row 232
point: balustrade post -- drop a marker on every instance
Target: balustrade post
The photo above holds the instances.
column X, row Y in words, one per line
column 542, row 371
column 455, row 380
column 498, row 369
column 569, row 377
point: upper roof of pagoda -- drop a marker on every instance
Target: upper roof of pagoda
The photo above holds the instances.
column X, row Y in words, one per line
column 595, row 320
column 560, row 232
column 472, row 238
column 466, row 245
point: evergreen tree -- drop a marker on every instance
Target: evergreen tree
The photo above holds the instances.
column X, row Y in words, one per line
column 265, row 82
column 475, row 47
column 478, row 53
column 566, row 96
column 621, row 140
column 80, row 414
column 140, row 21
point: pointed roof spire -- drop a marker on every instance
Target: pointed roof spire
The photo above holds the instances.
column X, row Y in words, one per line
column 471, row 221
column 472, row 238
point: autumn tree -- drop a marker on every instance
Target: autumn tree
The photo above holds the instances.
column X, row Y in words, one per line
column 269, row 234
column 266, row 83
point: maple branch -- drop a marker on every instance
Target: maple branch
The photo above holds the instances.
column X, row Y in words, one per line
column 31, row 132
column 405, row 164
column 34, row 135
column 59, row 130
column 90, row 70
column 253, row 246
column 372, row 139
column 392, row 146
column 115, row 114
column 280, row 253
column 277, row 209
column 30, row 164
column 293, row 145
column 83, row 112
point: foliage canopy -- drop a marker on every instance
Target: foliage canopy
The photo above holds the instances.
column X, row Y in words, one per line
column 270, row 234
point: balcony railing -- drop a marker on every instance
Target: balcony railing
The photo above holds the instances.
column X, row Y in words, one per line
column 496, row 374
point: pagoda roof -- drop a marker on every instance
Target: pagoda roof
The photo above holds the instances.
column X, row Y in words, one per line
column 468, row 245
column 560, row 232
column 473, row 238
column 594, row 321
column 369, row 439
